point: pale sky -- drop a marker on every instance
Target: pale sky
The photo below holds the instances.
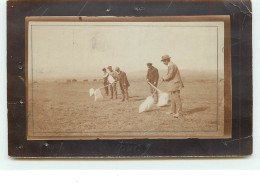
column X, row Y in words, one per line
column 81, row 49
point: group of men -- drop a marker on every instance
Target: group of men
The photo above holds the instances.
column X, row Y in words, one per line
column 173, row 79
column 175, row 84
column 118, row 76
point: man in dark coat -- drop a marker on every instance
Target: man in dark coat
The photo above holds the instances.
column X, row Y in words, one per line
column 152, row 77
column 123, row 82
column 105, row 78
column 175, row 84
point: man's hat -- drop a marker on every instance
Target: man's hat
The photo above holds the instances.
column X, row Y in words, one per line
column 149, row 64
column 165, row 57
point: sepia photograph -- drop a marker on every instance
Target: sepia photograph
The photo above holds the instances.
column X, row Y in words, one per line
column 128, row 77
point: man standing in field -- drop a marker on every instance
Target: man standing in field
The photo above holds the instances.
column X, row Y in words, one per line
column 152, row 77
column 105, row 77
column 113, row 89
column 175, row 83
column 123, row 82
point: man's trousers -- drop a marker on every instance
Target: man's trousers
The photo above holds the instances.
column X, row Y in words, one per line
column 176, row 104
column 113, row 90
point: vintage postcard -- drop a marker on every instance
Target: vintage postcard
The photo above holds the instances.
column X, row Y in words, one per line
column 128, row 77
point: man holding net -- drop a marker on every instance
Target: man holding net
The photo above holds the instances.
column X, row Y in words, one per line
column 152, row 77
column 105, row 78
column 175, row 83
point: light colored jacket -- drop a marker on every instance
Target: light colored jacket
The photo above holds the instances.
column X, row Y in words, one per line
column 173, row 78
column 114, row 75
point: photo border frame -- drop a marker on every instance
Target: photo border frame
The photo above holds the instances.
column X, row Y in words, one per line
column 241, row 58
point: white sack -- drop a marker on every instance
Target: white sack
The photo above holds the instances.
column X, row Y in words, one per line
column 110, row 79
column 91, row 92
column 146, row 105
column 163, row 99
column 98, row 95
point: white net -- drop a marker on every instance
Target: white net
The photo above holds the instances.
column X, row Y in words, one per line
column 91, row 92
column 146, row 105
column 163, row 99
column 98, row 95
column 110, row 79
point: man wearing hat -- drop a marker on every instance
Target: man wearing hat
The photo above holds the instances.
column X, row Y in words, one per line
column 113, row 89
column 123, row 82
column 175, row 83
column 152, row 77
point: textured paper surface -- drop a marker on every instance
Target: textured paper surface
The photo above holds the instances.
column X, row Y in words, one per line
column 65, row 51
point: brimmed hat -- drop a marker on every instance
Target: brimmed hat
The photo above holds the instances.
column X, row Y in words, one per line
column 149, row 64
column 165, row 57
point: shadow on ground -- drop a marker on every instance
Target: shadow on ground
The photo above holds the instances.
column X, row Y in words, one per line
column 136, row 98
column 195, row 110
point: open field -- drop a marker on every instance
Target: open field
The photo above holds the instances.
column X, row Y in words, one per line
column 66, row 109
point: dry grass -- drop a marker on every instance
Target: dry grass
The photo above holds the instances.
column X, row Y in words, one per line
column 67, row 109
